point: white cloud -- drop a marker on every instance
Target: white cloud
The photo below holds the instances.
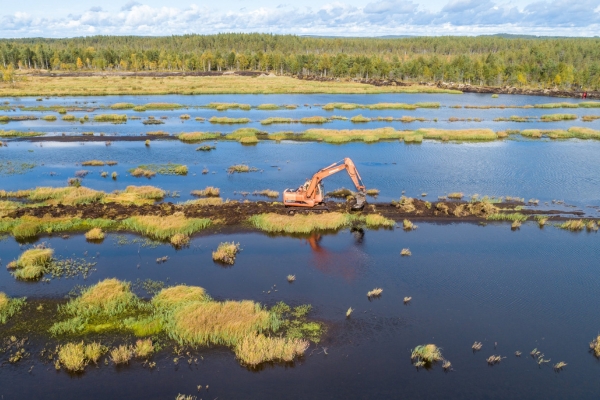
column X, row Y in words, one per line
column 382, row 17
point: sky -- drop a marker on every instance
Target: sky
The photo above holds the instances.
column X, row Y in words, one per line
column 52, row 18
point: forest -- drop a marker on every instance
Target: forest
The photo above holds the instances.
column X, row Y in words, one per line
column 569, row 63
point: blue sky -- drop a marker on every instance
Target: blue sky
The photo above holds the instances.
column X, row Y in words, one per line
column 310, row 17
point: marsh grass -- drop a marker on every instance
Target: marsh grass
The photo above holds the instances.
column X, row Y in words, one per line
column 157, row 133
column 184, row 116
column 15, row 133
column 162, row 106
column 590, row 104
column 267, row 193
column 276, row 120
column 291, row 278
column 556, row 105
column 459, row 134
column 428, row 353
column 408, row 225
column 595, row 346
column 372, row 192
column 9, row 307
column 374, row 293
column 68, row 117
column 227, row 120
column 249, row 140
column 515, row 217
column 50, row 118
column 164, row 228
column 271, row 222
column 197, row 136
column 122, row 106
column 94, row 234
column 348, row 135
column 341, row 193
column 114, row 118
column 209, row 191
column 557, row 117
column 229, row 106
column 314, row 120
column 226, row 252
column 573, row 225
column 93, row 163
column 456, row 195
column 180, row 240
column 267, row 107
column 391, row 106
column 72, row 356
column 376, row 221
column 240, row 168
column 359, row 118
column 583, row 133
column 139, row 172
column 413, row 138
column 165, row 169
column 210, row 201
column 405, row 252
column 256, row 349
column 349, row 312
column 107, row 298
column 590, row 118
column 176, row 296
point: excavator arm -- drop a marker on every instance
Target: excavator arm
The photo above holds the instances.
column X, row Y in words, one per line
column 345, row 164
column 310, row 194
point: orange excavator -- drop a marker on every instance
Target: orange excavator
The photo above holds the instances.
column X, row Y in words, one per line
column 311, row 193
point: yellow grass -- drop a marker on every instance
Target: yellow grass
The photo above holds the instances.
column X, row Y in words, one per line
column 138, row 172
column 118, row 118
column 122, row 106
column 107, row 297
column 405, row 252
column 113, row 85
column 256, row 349
column 93, row 351
column 4, row 300
column 376, row 220
column 375, row 292
column 209, row 201
column 249, row 140
column 93, row 163
column 94, row 234
column 359, row 118
column 221, row 323
column 66, row 195
column 121, row 354
column 584, row 133
column 157, row 133
column 32, row 263
column 176, row 296
column 276, row 120
column 313, row 120
column 227, row 120
column 226, row 252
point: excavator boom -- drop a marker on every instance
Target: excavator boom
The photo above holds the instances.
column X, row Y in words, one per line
column 311, row 193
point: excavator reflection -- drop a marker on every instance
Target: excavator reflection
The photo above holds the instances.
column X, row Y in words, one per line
column 337, row 264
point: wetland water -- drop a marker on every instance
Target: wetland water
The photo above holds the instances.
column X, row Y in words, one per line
column 524, row 289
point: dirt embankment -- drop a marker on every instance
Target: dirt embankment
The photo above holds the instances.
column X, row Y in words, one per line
column 235, row 213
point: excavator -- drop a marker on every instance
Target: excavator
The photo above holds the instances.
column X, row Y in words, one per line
column 311, row 194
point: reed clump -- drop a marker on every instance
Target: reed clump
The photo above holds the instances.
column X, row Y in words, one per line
column 197, row 136
column 139, row 108
column 405, row 252
column 32, row 263
column 72, row 356
column 590, row 118
column 256, row 349
column 164, row 228
column 114, row 118
column 9, row 307
column 175, row 296
column 157, row 133
column 209, row 201
column 392, row 106
column 121, row 354
column 184, row 116
column 209, row 191
column 374, row 293
column 595, row 346
column 94, row 234
column 106, row 298
column 143, row 348
column 348, row 135
column 227, row 120
column 226, row 252
column 139, row 172
column 68, row 117
column 408, row 225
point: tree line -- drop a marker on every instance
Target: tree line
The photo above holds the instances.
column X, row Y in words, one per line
column 483, row 60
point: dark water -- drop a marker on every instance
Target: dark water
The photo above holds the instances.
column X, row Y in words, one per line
column 533, row 288
column 308, row 106
column 524, row 289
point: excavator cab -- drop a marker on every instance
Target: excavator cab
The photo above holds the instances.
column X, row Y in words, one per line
column 311, row 193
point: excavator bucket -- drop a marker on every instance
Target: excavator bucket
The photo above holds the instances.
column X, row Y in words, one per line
column 361, row 200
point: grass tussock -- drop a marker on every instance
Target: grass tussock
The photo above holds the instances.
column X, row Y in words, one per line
column 227, row 120
column 32, row 263
column 14, row 133
column 72, row 356
column 209, row 201
column 374, row 293
column 590, row 104
column 267, row 193
column 249, row 140
column 584, row 133
column 197, row 136
column 456, row 195
column 229, row 106
column 143, row 348
column 405, row 252
column 139, row 172
column 507, row 217
column 226, row 252
column 428, row 353
column 595, row 346
column 239, row 168
column 373, row 192
column 256, row 349
column 115, row 118
column 267, row 107
column 556, row 105
column 557, row 117
column 162, row 106
column 50, row 118
column 590, row 118
column 94, row 234
column 9, row 307
column 209, row 191
column 157, row 133
column 93, row 163
column 348, row 135
column 392, row 106
column 121, row 354
column 106, row 298
column 164, row 228
column 176, row 296
column 376, row 221
column 573, row 225
column 359, row 118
